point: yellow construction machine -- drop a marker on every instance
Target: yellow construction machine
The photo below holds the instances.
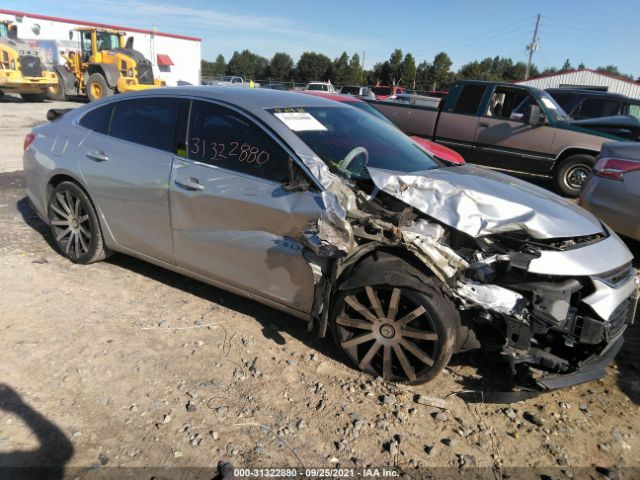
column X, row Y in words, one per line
column 21, row 70
column 104, row 65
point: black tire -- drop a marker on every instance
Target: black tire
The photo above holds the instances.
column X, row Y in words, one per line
column 572, row 173
column 97, row 83
column 57, row 93
column 81, row 240
column 34, row 97
column 424, row 311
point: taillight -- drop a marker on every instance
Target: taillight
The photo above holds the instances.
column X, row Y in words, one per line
column 614, row 168
column 28, row 140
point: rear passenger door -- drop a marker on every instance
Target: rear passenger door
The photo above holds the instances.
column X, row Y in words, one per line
column 126, row 164
column 233, row 222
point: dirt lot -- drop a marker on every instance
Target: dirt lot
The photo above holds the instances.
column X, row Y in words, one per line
column 123, row 364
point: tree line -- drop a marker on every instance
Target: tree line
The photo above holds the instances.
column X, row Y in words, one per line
column 400, row 69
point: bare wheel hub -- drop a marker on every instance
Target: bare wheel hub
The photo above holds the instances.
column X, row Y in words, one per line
column 387, row 331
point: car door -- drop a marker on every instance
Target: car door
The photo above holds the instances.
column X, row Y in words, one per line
column 233, row 221
column 503, row 140
column 127, row 168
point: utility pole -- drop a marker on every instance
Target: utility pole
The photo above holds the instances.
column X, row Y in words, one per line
column 532, row 47
column 362, row 69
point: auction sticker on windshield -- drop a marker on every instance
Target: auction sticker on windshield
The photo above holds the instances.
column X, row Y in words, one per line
column 300, row 121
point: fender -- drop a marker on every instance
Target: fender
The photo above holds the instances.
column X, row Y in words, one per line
column 109, row 71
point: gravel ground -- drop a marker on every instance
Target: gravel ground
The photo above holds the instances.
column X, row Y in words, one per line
column 123, row 364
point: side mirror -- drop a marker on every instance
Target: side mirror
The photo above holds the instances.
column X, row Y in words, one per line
column 297, row 180
column 534, row 115
column 129, row 44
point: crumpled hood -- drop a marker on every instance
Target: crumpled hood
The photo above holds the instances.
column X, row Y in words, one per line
column 478, row 202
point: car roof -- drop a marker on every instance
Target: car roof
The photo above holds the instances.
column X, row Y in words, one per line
column 254, row 100
column 586, row 91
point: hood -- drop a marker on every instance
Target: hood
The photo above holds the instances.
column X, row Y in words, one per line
column 479, row 202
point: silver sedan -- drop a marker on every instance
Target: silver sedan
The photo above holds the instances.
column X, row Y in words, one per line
column 336, row 217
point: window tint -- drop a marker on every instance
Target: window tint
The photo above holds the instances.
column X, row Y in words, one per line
column 469, row 99
column 98, row 119
column 563, row 99
column 148, row 121
column 504, row 102
column 634, row 111
column 598, row 107
column 219, row 136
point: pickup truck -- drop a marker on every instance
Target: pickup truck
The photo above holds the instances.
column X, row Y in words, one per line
column 514, row 128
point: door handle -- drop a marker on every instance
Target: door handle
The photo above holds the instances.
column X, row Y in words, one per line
column 189, row 183
column 483, row 124
column 97, row 156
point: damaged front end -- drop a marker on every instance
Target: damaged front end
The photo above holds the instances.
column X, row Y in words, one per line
column 538, row 280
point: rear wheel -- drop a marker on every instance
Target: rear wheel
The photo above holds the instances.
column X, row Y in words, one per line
column 34, row 97
column 572, row 173
column 97, row 87
column 74, row 224
column 398, row 333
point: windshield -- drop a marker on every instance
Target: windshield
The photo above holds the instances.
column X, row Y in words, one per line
column 364, row 106
column 107, row 41
column 547, row 100
column 350, row 90
column 381, row 90
column 318, row 86
column 349, row 139
column 4, row 31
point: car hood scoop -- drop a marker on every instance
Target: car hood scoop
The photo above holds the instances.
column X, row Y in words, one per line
column 480, row 202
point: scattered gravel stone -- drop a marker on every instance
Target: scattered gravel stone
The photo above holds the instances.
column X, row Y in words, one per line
column 533, row 418
column 103, row 459
column 301, row 424
column 447, row 441
column 191, row 407
column 430, row 401
column 441, row 417
column 510, row 413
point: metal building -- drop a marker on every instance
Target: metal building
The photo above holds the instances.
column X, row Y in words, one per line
column 586, row 78
column 174, row 57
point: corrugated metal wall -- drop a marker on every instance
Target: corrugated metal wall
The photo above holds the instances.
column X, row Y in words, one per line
column 586, row 78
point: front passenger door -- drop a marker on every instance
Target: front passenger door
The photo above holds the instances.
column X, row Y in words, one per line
column 233, row 222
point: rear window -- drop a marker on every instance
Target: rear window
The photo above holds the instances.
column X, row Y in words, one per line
column 147, row 121
column 598, row 107
column 469, row 99
column 350, row 90
column 98, row 119
column 381, row 90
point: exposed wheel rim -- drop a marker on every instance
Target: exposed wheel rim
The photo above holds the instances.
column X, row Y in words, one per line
column 387, row 333
column 96, row 90
column 71, row 225
column 576, row 175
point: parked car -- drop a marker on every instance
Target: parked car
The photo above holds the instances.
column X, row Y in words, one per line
column 439, row 151
column 321, row 86
column 356, row 90
column 228, row 80
column 581, row 103
column 612, row 192
column 324, row 212
column 514, row 128
column 384, row 92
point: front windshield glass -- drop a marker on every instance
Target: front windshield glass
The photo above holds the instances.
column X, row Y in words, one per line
column 381, row 90
column 349, row 139
column 365, row 107
column 107, row 41
column 4, row 31
column 548, row 101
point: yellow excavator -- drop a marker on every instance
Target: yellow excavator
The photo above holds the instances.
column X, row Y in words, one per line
column 104, row 65
column 21, row 70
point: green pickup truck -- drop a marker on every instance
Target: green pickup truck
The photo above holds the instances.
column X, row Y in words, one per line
column 508, row 127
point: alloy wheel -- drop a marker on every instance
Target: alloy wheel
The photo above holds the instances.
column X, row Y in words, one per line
column 70, row 222
column 389, row 333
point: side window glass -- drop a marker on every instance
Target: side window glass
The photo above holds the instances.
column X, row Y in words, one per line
column 220, row 136
column 148, row 121
column 508, row 104
column 597, row 107
column 469, row 99
column 634, row 111
column 98, row 119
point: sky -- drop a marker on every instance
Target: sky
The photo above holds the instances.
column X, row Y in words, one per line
column 593, row 32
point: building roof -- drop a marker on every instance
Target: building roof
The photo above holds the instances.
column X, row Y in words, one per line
column 578, row 70
column 95, row 24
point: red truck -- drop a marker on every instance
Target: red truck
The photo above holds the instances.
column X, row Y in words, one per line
column 384, row 92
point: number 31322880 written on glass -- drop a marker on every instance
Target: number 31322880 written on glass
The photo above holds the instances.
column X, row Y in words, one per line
column 211, row 151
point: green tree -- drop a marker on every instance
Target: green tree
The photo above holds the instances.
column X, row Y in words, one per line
column 220, row 66
column 567, row 66
column 281, row 67
column 440, row 75
column 313, row 66
column 408, row 71
column 549, row 71
column 342, row 72
column 613, row 70
column 356, row 70
column 247, row 64
column 581, row 66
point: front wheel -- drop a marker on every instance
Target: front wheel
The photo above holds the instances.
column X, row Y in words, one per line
column 572, row 173
column 56, row 92
column 74, row 224
column 97, row 87
column 397, row 333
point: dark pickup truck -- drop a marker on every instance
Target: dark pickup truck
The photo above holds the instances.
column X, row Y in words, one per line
column 508, row 127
